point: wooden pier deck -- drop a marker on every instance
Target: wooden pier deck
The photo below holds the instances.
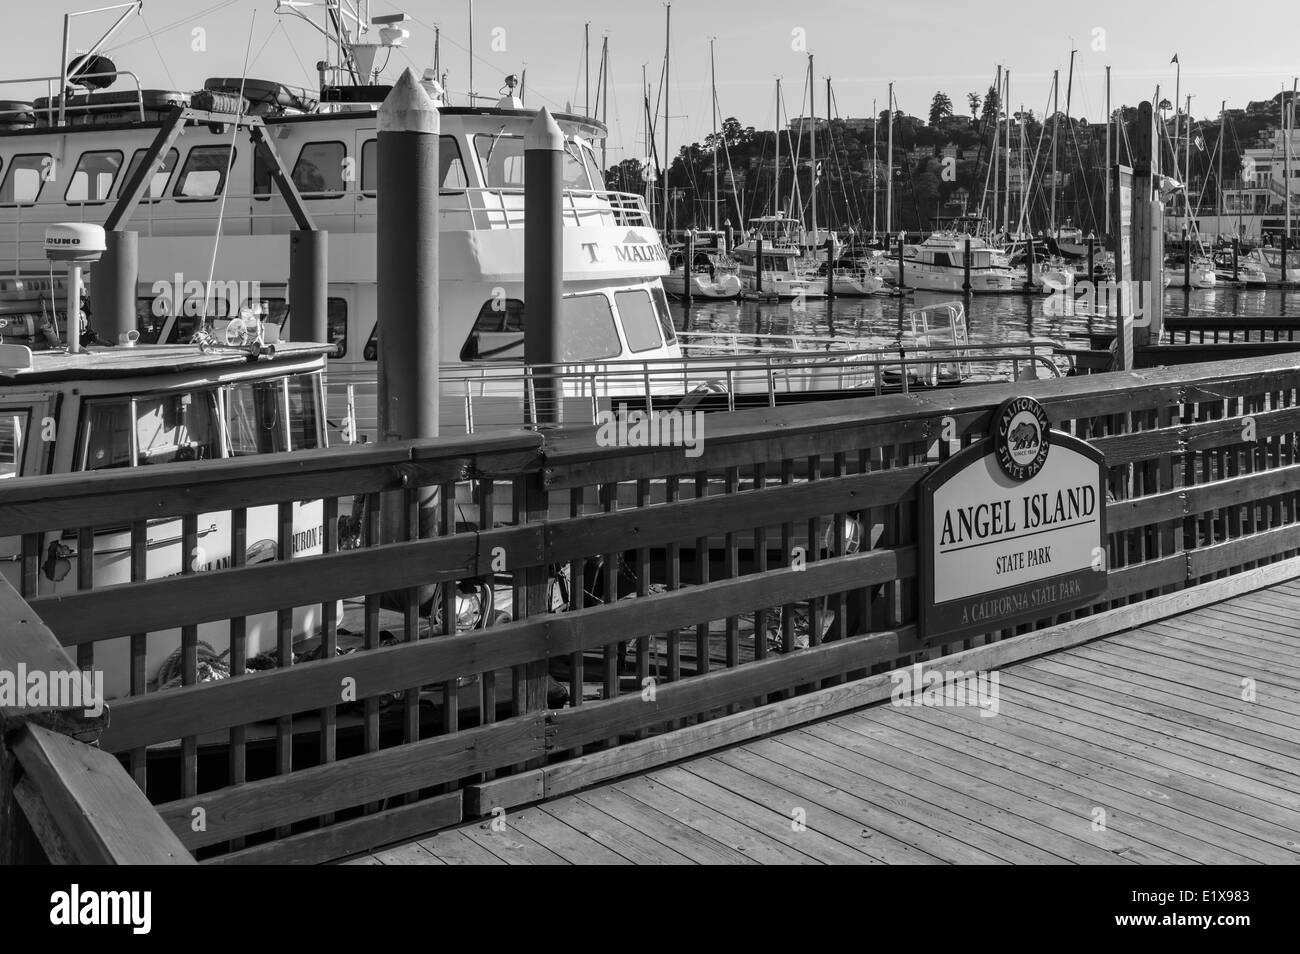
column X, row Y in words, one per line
column 1139, row 748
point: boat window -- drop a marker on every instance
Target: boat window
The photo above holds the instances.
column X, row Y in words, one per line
column 266, row 417
column 664, row 314
column 942, row 258
column 501, row 159
column 149, row 429
column 498, row 332
column 13, row 440
column 26, row 177
column 587, row 331
column 158, row 182
column 319, row 171
column 204, row 174
column 451, row 168
column 593, row 168
column 639, row 322
column 92, row 180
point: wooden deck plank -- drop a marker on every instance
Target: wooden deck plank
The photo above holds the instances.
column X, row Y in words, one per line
column 664, row 829
column 1057, row 808
column 976, row 799
column 1252, row 771
column 1214, row 658
column 1279, row 704
column 822, row 826
column 454, row 847
column 1160, row 689
column 629, row 843
column 412, row 853
column 719, row 826
column 1198, row 828
column 572, row 845
column 1233, row 650
column 893, row 792
column 511, row 845
column 842, row 815
column 1268, row 622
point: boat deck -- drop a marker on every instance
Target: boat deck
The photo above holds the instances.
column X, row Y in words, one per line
column 1137, row 748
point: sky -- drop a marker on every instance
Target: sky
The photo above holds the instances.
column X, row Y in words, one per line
column 862, row 45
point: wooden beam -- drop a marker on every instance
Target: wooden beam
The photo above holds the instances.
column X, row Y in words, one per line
column 365, row 834
column 101, row 814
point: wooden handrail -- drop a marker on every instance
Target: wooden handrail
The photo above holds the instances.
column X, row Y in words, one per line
column 74, row 800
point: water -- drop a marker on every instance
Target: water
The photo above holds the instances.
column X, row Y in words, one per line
column 990, row 318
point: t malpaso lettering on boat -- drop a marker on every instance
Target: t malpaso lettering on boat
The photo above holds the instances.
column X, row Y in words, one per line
column 997, row 551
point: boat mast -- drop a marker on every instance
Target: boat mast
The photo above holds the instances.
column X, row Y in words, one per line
column 586, row 67
column 1056, row 120
column 776, row 174
column 1223, row 109
column 997, row 113
column 1006, row 198
column 812, row 146
column 713, row 83
column 889, row 167
column 1069, row 92
column 1288, row 121
column 1187, row 172
column 471, row 52
column 1106, row 168
column 830, row 145
column 668, row 164
column 875, row 158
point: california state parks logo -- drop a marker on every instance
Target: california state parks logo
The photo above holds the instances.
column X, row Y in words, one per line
column 1020, row 441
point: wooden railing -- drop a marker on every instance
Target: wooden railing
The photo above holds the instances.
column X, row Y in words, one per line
column 698, row 586
column 62, row 799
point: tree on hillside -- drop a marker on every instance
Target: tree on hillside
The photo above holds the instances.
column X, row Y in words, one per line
column 992, row 106
column 973, row 101
column 940, row 108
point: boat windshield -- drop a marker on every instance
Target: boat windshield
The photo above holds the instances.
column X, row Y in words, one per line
column 13, row 440
column 259, row 417
column 501, row 158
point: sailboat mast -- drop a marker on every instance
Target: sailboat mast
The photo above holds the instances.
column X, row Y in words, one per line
column 1106, row 168
column 1056, row 121
column 812, row 145
column 776, row 167
column 713, row 85
column 830, row 145
column 1069, row 93
column 1223, row 109
column 875, row 158
column 1006, row 198
column 586, row 67
column 668, row 162
column 1288, row 122
column 889, row 167
column 997, row 126
column 1187, row 170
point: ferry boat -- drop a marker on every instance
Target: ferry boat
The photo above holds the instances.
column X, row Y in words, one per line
column 939, row 264
column 783, row 270
column 94, row 137
column 143, row 405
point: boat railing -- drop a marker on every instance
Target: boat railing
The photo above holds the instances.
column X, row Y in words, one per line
column 731, row 371
column 52, row 95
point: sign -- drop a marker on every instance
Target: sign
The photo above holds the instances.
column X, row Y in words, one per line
column 1013, row 528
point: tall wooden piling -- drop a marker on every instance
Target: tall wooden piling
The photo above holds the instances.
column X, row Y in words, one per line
column 543, row 261
column 407, row 266
column 1187, row 261
column 902, row 278
column 758, row 264
column 965, row 270
column 687, row 269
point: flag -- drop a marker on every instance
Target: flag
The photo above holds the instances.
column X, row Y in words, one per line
column 1175, row 59
column 1200, row 142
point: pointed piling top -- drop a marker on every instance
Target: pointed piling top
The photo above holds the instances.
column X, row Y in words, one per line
column 544, row 133
column 408, row 108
